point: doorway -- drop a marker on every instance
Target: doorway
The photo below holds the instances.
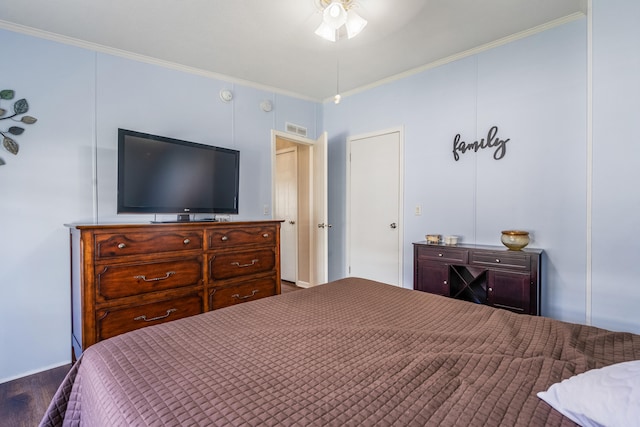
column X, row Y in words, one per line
column 299, row 179
column 286, row 208
column 375, row 206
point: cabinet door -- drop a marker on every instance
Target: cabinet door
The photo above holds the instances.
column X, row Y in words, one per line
column 510, row 291
column 432, row 277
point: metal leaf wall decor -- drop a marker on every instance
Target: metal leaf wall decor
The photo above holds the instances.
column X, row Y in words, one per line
column 20, row 107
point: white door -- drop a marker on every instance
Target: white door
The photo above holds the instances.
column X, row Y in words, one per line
column 286, row 208
column 374, row 199
column 317, row 195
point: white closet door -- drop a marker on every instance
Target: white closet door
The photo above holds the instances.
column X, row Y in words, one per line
column 374, row 212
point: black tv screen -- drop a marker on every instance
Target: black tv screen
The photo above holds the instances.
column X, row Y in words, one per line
column 161, row 175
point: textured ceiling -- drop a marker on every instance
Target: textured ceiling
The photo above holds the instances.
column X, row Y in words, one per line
column 272, row 43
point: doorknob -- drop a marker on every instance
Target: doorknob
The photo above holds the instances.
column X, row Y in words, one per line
column 393, row 225
column 292, row 222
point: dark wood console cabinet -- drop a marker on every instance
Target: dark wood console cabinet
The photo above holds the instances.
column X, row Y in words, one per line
column 491, row 275
column 128, row 276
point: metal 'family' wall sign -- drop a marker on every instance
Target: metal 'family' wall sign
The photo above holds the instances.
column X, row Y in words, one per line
column 492, row 141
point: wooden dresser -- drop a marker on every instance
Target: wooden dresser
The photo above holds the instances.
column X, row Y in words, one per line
column 128, row 276
column 491, row 275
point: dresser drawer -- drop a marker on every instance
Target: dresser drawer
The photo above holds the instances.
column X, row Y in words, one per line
column 116, row 321
column 133, row 243
column 443, row 254
column 247, row 291
column 226, row 265
column 123, row 280
column 231, row 237
column 513, row 260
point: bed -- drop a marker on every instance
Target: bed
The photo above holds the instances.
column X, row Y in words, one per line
column 350, row 352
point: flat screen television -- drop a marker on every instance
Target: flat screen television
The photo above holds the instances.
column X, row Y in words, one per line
column 160, row 175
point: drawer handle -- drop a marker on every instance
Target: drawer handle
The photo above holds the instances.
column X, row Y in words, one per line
column 237, row 264
column 144, row 318
column 439, row 255
column 498, row 260
column 265, row 235
column 121, row 245
column 155, row 279
column 237, row 296
column 186, row 241
column 224, row 238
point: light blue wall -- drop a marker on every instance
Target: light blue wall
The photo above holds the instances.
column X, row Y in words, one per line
column 81, row 97
column 534, row 89
column 148, row 98
column 47, row 184
column 616, row 161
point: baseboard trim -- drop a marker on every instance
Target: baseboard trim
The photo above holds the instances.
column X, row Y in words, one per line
column 35, row 371
column 302, row 284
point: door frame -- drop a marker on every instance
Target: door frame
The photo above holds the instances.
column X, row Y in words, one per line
column 318, row 255
column 400, row 131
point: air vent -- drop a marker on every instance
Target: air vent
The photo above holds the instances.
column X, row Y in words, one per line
column 298, row 130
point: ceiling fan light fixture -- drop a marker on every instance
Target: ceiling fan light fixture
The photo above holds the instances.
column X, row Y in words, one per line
column 326, row 32
column 355, row 23
column 335, row 15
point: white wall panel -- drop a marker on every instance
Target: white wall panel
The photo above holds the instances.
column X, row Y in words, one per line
column 47, row 184
column 616, row 161
column 534, row 90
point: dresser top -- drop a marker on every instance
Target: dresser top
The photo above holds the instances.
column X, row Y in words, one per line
column 497, row 248
column 191, row 224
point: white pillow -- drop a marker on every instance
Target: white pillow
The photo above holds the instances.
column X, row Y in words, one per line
column 608, row 396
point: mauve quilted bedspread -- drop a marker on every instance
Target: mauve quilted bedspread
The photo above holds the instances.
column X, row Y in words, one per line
column 349, row 353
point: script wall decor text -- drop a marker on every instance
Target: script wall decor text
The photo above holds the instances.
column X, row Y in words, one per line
column 491, row 141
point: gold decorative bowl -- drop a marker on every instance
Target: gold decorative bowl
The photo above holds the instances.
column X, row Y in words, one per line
column 515, row 239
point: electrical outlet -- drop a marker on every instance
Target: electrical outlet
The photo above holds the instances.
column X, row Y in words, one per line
column 265, row 210
column 418, row 210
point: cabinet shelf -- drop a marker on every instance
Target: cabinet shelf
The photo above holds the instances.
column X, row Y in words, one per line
column 468, row 284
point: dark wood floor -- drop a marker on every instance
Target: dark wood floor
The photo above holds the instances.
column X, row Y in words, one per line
column 24, row 401
column 288, row 287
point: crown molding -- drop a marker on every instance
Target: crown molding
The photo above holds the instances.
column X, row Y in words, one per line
column 487, row 46
column 30, row 31
column 200, row 72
